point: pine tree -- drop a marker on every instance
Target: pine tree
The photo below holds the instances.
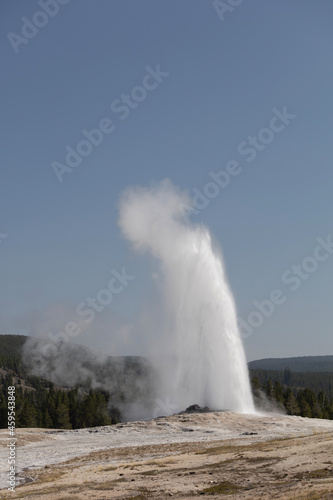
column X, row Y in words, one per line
column 28, row 415
column 89, row 409
column 269, row 389
column 62, row 415
column 256, row 386
column 291, row 403
column 305, row 409
column 47, row 420
column 101, row 414
column 278, row 393
column 316, row 411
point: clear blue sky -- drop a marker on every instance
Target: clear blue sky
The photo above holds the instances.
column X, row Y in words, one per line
column 225, row 78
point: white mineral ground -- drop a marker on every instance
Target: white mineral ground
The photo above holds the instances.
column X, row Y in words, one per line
column 255, row 456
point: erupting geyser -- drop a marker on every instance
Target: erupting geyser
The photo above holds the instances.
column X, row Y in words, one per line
column 198, row 352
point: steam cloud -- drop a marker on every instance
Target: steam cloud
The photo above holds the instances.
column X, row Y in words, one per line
column 197, row 352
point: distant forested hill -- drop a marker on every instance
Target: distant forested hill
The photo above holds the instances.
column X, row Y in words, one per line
column 11, row 344
column 11, row 353
column 300, row 364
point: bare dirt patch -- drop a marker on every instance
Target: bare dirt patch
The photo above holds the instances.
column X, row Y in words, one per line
column 277, row 457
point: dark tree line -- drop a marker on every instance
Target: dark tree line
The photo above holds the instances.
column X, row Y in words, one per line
column 316, row 381
column 11, row 353
column 49, row 407
column 300, row 401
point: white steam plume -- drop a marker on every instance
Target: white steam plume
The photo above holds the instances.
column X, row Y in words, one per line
column 197, row 349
